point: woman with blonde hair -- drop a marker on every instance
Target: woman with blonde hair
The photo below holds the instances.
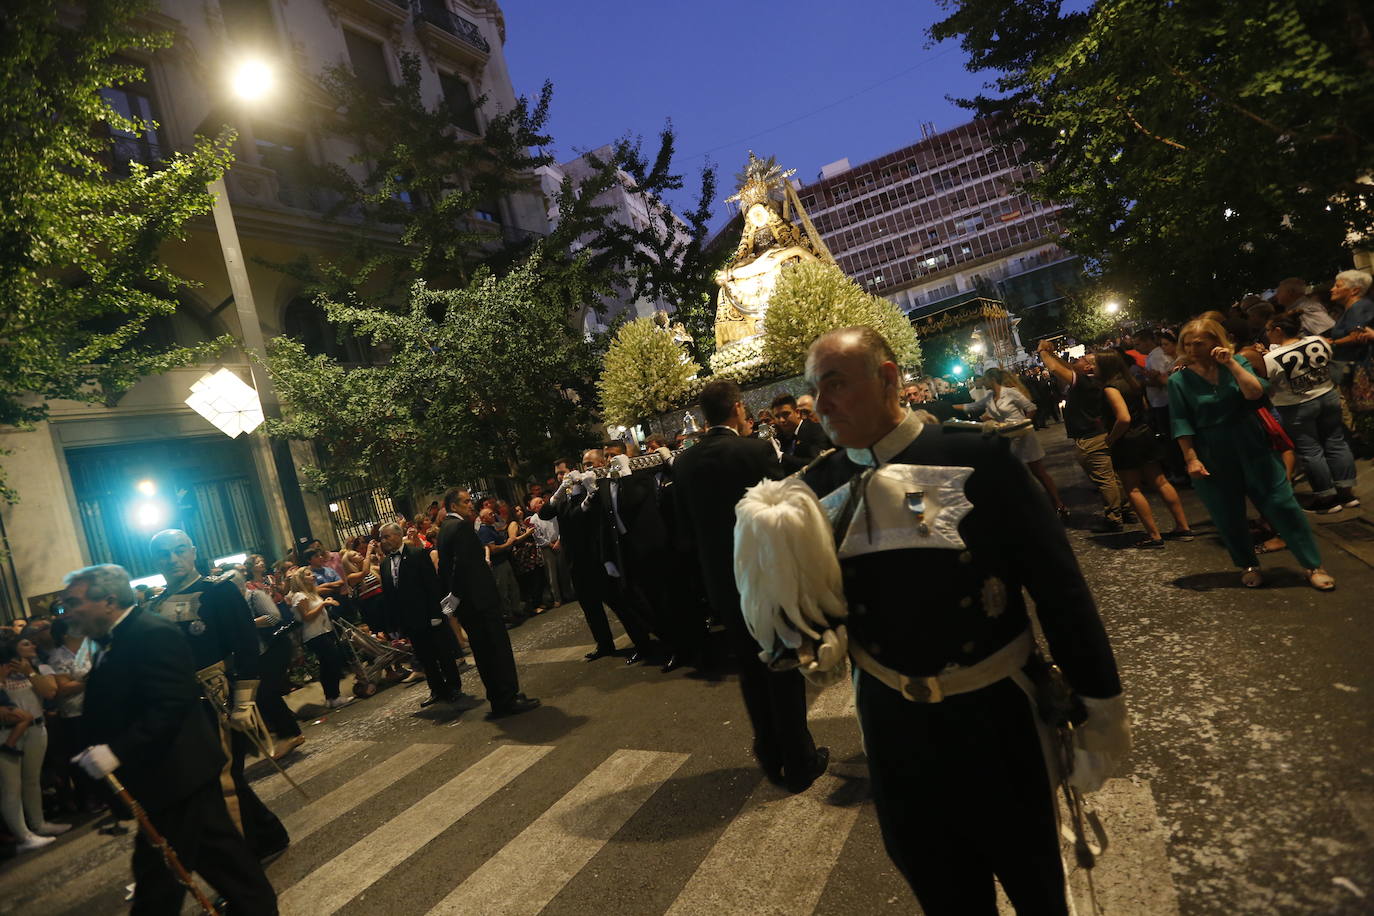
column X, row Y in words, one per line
column 1008, row 400
column 317, row 632
column 1212, row 407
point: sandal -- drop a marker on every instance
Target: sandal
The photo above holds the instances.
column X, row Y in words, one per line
column 1267, row 547
column 1149, row 543
column 1321, row 580
column 1179, row 534
column 1252, row 578
column 1063, row 513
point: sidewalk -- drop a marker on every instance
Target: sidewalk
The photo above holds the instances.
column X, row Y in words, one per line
column 1352, row 530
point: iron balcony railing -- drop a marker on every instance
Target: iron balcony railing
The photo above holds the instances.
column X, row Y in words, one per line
column 441, row 17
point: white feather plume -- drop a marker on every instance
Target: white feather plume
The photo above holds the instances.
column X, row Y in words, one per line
column 786, row 567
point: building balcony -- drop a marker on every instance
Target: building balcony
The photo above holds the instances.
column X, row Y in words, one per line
column 388, row 14
column 449, row 36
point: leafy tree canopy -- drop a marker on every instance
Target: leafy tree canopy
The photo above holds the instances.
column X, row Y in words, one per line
column 814, row 297
column 80, row 276
column 1203, row 149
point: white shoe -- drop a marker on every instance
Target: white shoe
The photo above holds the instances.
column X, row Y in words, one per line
column 33, row 841
column 339, row 702
column 47, row 829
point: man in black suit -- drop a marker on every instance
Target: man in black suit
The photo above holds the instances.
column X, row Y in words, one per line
column 144, row 722
column 411, row 588
column 800, row 439
column 580, row 536
column 465, row 577
column 711, row 476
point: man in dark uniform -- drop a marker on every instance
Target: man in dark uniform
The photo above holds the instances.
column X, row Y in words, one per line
column 412, row 592
column 464, row 572
column 145, row 723
column 939, row 531
column 711, row 476
column 224, row 646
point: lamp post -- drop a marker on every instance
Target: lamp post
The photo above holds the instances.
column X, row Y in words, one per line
column 252, row 81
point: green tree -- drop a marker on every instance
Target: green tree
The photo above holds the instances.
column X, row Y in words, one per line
column 469, row 389
column 1203, row 150
column 814, row 297
column 80, row 274
column 645, row 373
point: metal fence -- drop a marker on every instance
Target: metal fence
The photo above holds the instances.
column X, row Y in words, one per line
column 356, row 507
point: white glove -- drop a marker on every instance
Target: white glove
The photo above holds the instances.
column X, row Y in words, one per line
column 241, row 712
column 620, row 466
column 98, row 761
column 1103, row 740
column 564, row 486
column 663, row 452
column 589, row 481
column 449, row 604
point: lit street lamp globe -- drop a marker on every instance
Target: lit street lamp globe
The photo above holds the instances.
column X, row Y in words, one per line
column 251, row 80
column 1113, row 307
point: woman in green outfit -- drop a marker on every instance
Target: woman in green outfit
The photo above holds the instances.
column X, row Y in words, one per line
column 1212, row 404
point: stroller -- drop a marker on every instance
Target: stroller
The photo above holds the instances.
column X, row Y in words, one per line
column 370, row 659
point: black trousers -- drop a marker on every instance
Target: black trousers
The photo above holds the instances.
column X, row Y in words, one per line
column 962, row 794
column 199, row 830
column 326, row 649
column 491, row 651
column 436, row 648
column 261, row 828
column 595, row 590
column 774, row 700
column 272, row 665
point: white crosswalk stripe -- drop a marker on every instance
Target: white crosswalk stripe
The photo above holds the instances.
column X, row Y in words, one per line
column 359, row 789
column 775, row 857
column 306, row 768
column 351, row 872
column 562, row 839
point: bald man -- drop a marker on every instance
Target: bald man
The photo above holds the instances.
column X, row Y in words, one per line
column 217, row 624
column 961, row 787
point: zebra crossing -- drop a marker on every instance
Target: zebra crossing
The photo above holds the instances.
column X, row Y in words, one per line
column 378, row 812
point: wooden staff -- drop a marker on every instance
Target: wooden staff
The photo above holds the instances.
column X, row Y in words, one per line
column 168, row 853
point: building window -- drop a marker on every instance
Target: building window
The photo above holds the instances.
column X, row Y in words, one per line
column 368, row 59
column 250, row 24
column 458, row 99
column 488, row 211
column 283, row 151
column 134, row 101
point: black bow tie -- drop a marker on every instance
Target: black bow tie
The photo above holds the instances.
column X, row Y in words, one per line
column 394, row 553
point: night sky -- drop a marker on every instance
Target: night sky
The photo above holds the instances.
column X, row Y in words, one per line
column 807, row 82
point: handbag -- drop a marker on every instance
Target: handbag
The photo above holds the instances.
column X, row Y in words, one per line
column 1278, row 438
column 1360, row 395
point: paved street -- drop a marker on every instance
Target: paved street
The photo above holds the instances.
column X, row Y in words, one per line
column 1250, row 789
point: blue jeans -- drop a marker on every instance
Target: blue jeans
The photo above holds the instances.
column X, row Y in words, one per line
column 1315, row 426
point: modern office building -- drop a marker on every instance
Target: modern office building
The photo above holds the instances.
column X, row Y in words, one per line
column 940, row 221
column 96, row 480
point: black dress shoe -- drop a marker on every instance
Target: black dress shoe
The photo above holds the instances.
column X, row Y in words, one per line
column 674, row 662
column 431, row 700
column 635, row 658
column 803, row 781
column 520, row 704
column 599, row 653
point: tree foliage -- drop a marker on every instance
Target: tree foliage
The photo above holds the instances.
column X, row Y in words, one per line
column 1202, row 150
column 814, row 297
column 513, row 384
column 645, row 372
column 80, row 276
column 480, row 381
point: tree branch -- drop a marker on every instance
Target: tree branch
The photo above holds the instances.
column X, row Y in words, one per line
column 1141, row 127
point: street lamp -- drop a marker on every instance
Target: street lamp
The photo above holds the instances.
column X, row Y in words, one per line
column 1112, row 307
column 253, row 81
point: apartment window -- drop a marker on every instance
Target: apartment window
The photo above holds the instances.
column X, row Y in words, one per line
column 283, row 151
column 840, row 192
column 368, row 59
column 458, row 98
column 134, row 101
column 250, row 24
column 488, row 211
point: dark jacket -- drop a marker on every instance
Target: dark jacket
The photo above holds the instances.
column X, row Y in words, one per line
column 414, row 600
column 800, row 448
column 463, row 569
column 709, row 479
column 143, row 700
